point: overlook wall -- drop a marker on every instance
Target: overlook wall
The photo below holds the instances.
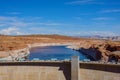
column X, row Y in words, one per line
column 57, row 71
column 35, row 71
column 92, row 71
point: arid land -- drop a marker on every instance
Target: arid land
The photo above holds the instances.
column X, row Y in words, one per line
column 97, row 49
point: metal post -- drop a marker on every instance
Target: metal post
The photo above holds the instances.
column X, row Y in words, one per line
column 75, row 68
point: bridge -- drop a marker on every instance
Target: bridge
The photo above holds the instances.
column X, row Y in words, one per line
column 59, row 70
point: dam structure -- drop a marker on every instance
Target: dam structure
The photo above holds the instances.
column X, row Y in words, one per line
column 59, row 70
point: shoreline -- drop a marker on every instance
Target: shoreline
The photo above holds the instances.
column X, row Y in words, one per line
column 13, row 55
column 16, row 55
column 48, row 44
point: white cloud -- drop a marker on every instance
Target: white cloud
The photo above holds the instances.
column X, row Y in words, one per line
column 20, row 33
column 44, row 30
column 100, row 33
column 11, row 31
column 84, row 2
column 14, row 13
column 91, row 33
column 17, row 26
column 20, row 26
column 102, row 18
column 79, row 2
column 7, row 21
column 49, row 24
column 110, row 11
column 6, row 18
column 103, row 33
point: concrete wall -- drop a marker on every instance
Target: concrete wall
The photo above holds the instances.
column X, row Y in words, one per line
column 57, row 71
column 89, row 71
column 35, row 71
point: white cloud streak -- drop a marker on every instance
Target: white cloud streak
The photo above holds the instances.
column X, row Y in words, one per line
column 24, row 22
column 15, row 25
column 102, row 18
column 103, row 33
column 84, row 2
column 111, row 11
column 4, row 18
column 11, row 31
column 80, row 2
column 91, row 33
column 13, row 13
column 74, row 33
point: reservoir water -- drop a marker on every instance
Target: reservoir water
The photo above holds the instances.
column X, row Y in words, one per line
column 54, row 52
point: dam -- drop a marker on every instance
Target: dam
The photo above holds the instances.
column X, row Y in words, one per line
column 59, row 70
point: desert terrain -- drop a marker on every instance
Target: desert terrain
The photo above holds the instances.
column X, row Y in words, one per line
column 97, row 49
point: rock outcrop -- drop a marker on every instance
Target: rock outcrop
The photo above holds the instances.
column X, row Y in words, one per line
column 99, row 49
column 14, row 55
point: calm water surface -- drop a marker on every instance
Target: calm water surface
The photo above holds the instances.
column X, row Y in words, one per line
column 57, row 52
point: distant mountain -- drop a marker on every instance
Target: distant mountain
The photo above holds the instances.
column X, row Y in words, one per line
column 114, row 38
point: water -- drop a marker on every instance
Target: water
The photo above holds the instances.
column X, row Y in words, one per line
column 54, row 52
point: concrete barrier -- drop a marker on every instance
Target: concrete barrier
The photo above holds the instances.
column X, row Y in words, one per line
column 97, row 71
column 35, row 71
column 57, row 70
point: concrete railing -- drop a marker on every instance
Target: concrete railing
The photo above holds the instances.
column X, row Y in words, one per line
column 59, row 70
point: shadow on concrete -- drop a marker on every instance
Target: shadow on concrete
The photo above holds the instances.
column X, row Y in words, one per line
column 66, row 71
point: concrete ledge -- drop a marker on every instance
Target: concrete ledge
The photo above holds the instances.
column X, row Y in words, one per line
column 99, row 63
column 59, row 62
column 34, row 63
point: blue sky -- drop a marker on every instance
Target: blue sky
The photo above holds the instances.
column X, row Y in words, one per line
column 66, row 17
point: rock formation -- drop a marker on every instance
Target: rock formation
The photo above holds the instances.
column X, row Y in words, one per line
column 99, row 49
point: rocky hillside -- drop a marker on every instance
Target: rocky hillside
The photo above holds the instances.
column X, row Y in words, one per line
column 99, row 49
column 18, row 42
column 96, row 49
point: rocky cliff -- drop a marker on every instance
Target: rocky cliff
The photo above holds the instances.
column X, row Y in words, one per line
column 99, row 49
